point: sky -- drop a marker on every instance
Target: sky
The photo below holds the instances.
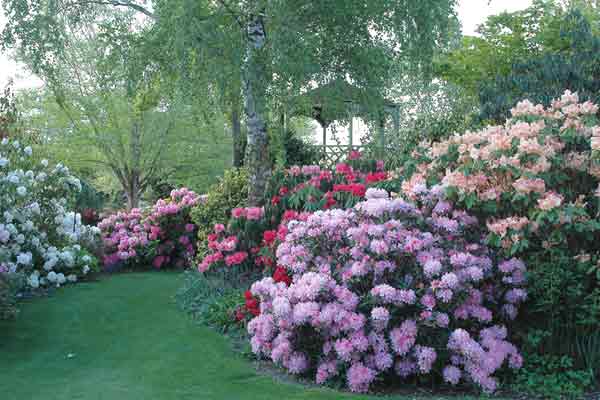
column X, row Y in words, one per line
column 470, row 12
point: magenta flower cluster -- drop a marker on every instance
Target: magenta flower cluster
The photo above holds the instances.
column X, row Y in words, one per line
column 389, row 287
column 160, row 236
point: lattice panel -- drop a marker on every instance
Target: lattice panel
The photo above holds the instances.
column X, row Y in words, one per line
column 334, row 154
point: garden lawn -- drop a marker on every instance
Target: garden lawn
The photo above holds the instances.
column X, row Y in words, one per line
column 124, row 338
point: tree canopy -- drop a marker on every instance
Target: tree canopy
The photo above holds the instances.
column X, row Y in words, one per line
column 258, row 53
column 535, row 53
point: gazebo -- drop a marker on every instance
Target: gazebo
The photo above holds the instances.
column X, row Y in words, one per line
column 339, row 100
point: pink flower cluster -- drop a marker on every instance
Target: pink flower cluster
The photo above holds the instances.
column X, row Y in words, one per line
column 542, row 161
column 160, row 236
column 378, row 286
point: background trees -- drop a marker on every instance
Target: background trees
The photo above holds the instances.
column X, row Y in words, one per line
column 256, row 50
column 106, row 110
column 536, row 53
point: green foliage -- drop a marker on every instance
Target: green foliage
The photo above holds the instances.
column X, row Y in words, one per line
column 294, row 150
column 89, row 197
column 10, row 284
column 103, row 93
column 509, row 38
column 534, row 53
column 9, row 113
column 428, row 111
column 550, row 376
column 575, row 67
column 230, row 192
column 210, row 299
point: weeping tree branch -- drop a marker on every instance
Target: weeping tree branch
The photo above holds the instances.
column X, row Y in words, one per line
column 117, row 3
column 235, row 15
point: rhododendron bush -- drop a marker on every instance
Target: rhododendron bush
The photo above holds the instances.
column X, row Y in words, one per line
column 160, row 236
column 250, row 238
column 534, row 185
column 387, row 286
column 40, row 237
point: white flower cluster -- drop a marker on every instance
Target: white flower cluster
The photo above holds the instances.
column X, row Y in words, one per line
column 39, row 235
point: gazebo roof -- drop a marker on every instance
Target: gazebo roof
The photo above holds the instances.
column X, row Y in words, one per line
column 331, row 102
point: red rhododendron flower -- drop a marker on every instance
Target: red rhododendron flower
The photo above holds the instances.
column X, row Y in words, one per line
column 236, row 258
column 282, row 232
column 239, row 315
column 283, row 191
column 358, row 189
column 269, row 237
column 329, row 200
column 354, row 155
column 275, row 200
column 280, row 275
column 238, row 212
column 289, row 215
column 374, row 177
column 342, row 168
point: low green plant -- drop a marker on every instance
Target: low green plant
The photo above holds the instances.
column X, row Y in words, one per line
column 230, row 192
column 9, row 286
column 210, row 299
column 550, row 376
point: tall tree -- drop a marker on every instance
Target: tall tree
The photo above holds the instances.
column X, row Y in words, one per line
column 537, row 53
column 284, row 47
column 275, row 47
column 113, row 104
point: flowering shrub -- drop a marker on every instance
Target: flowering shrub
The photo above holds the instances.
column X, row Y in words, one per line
column 160, row 236
column 252, row 235
column 39, row 236
column 534, row 185
column 389, row 286
column 230, row 192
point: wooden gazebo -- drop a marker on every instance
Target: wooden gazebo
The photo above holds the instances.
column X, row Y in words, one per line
column 339, row 100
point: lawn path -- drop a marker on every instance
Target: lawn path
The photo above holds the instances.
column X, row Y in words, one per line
column 124, row 338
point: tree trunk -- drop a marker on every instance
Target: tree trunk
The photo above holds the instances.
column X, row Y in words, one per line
column 133, row 190
column 236, row 133
column 133, row 194
column 255, row 83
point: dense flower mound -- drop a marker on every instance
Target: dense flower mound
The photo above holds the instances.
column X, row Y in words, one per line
column 534, row 185
column 160, row 236
column 539, row 167
column 250, row 238
column 387, row 286
column 40, row 236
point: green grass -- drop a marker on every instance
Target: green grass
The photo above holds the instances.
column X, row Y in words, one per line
column 124, row 338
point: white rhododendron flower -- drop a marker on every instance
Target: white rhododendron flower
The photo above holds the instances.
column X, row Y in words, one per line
column 40, row 234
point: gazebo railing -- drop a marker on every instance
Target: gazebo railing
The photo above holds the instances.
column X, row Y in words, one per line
column 332, row 154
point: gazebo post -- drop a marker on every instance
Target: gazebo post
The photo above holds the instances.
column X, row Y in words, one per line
column 351, row 132
column 324, row 138
column 396, row 121
column 382, row 136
